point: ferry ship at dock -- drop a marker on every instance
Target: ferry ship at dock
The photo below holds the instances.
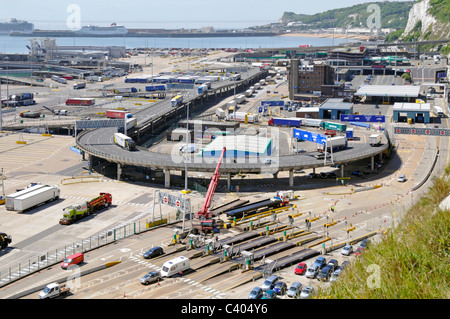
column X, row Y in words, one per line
column 93, row 30
column 16, row 26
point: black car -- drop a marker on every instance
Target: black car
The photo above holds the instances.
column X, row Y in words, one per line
column 153, row 252
column 333, row 263
column 323, row 175
column 331, row 175
column 325, row 273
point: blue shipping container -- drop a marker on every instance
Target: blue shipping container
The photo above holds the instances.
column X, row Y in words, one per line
column 287, row 121
column 155, row 88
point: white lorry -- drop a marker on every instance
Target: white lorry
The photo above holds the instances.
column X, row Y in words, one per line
column 437, row 110
column 177, row 100
column 124, row 141
column 53, row 290
column 375, row 140
column 242, row 117
column 249, row 93
column 175, row 266
column 334, row 143
column 240, row 99
column 36, row 198
column 9, row 199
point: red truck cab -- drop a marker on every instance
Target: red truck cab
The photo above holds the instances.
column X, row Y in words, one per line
column 74, row 259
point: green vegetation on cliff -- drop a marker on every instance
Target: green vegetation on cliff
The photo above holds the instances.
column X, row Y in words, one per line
column 393, row 15
column 440, row 9
column 410, row 262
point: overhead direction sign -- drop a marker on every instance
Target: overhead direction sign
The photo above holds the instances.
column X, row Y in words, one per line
column 422, row 131
column 99, row 123
column 175, row 201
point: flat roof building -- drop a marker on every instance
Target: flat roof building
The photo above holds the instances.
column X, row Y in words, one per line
column 333, row 108
column 308, row 112
column 411, row 112
column 388, row 94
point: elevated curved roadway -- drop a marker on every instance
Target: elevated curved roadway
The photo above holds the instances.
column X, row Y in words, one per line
column 99, row 143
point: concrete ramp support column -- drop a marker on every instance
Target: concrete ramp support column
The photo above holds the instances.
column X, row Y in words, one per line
column 166, row 178
column 119, row 171
column 228, row 181
column 342, row 170
column 372, row 163
column 90, row 160
column 291, row 178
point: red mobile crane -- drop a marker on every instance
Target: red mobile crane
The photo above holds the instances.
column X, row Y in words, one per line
column 204, row 214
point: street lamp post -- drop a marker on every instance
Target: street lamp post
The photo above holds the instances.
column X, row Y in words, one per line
column 186, row 189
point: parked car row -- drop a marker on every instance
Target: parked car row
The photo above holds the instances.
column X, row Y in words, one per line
column 274, row 287
column 322, row 175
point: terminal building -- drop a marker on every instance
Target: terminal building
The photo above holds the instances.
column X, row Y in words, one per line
column 411, row 113
column 333, row 108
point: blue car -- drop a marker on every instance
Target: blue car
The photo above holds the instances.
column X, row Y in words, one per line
column 280, row 288
column 270, row 294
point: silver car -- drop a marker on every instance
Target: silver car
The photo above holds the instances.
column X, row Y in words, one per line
column 307, row 292
column 312, row 272
column 150, row 277
column 294, row 290
column 347, row 250
column 270, row 282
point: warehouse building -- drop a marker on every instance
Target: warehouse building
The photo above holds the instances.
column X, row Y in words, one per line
column 411, row 112
column 333, row 108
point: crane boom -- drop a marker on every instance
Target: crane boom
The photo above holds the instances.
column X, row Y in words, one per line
column 211, row 190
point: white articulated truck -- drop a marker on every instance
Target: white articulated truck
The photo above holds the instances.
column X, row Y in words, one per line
column 375, row 140
column 124, row 141
column 437, row 110
column 36, row 198
column 175, row 266
column 242, row 117
column 333, row 143
column 177, row 100
column 9, row 199
column 240, row 99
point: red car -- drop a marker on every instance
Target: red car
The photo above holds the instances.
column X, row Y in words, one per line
column 300, row 269
column 359, row 251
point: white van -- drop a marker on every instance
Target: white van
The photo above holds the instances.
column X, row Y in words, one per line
column 190, row 148
column 174, row 266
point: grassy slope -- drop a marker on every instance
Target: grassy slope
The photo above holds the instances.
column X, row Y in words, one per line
column 393, row 15
column 413, row 259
